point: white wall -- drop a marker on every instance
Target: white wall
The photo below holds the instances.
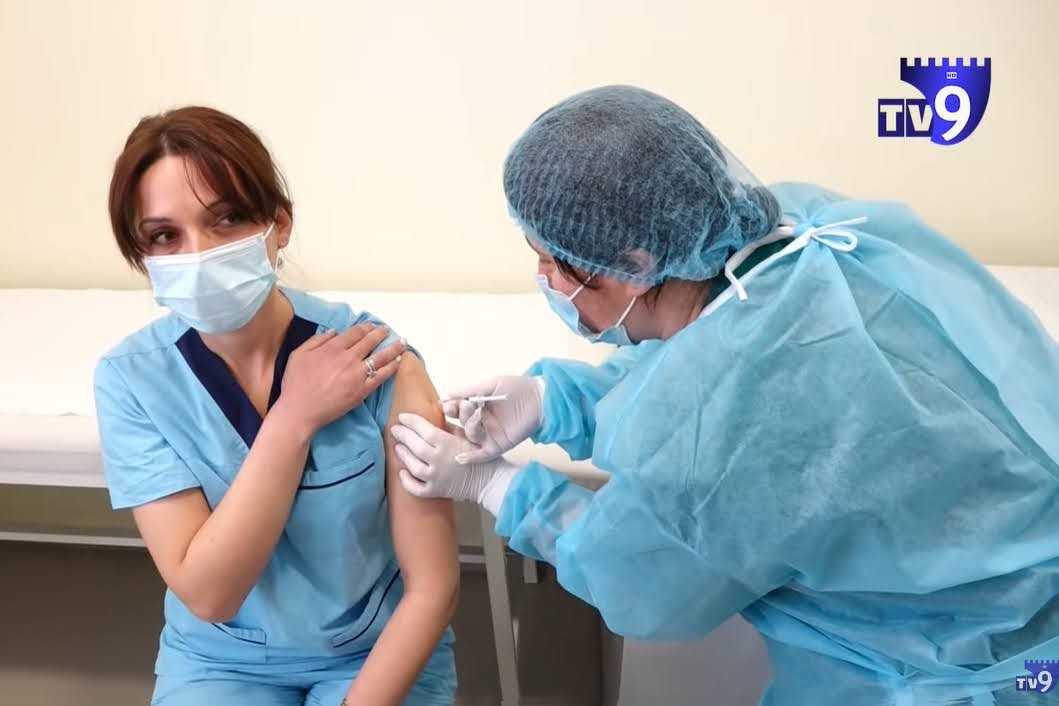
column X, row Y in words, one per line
column 391, row 120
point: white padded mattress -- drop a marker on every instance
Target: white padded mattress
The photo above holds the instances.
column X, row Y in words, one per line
column 47, row 420
column 47, row 425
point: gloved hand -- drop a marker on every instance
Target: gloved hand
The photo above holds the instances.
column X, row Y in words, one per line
column 431, row 470
column 497, row 427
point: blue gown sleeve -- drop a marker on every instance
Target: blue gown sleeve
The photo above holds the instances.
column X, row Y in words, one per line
column 611, row 548
column 538, row 507
column 571, row 391
column 139, row 464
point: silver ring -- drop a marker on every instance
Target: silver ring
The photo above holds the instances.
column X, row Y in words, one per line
column 372, row 371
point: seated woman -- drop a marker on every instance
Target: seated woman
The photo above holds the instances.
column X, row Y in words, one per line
column 246, row 431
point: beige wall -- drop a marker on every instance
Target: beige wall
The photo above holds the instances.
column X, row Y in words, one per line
column 391, row 120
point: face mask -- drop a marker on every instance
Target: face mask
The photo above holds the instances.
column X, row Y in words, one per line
column 564, row 307
column 217, row 290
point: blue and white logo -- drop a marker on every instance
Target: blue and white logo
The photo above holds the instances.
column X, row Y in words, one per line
column 1040, row 678
column 955, row 93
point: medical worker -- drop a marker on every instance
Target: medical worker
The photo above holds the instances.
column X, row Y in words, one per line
column 245, row 431
column 822, row 415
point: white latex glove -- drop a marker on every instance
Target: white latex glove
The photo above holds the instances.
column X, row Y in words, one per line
column 431, row 469
column 497, row 427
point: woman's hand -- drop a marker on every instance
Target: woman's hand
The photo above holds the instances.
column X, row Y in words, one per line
column 211, row 558
column 432, row 471
column 329, row 374
column 498, row 426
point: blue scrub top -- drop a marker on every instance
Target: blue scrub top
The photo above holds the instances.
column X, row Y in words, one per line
column 172, row 417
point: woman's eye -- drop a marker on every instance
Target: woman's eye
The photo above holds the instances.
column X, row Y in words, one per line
column 162, row 237
column 232, row 219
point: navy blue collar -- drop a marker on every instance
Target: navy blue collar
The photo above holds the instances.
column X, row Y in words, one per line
column 213, row 373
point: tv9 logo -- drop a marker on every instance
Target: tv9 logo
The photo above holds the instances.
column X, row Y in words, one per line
column 955, row 93
column 1041, row 677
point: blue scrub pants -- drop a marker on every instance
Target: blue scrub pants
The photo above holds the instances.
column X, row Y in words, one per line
column 239, row 692
column 436, row 686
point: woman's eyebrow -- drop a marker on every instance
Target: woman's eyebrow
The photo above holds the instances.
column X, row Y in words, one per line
column 211, row 209
column 219, row 203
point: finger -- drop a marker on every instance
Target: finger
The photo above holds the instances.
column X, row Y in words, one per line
column 390, row 352
column 472, row 454
column 363, row 348
column 416, row 467
column 487, row 387
column 318, row 340
column 473, row 427
column 494, row 430
column 467, row 411
column 344, row 339
column 352, row 335
column 415, row 443
column 381, row 375
column 456, row 431
column 423, row 428
column 414, row 486
column 451, row 408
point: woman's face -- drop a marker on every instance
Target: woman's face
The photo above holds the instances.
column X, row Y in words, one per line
column 601, row 304
column 178, row 213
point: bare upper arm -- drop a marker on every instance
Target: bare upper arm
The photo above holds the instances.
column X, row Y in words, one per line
column 424, row 530
column 168, row 526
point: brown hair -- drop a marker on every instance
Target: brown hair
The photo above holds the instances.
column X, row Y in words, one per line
column 224, row 152
column 568, row 271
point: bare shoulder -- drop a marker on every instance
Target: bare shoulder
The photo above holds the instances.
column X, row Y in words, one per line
column 413, row 389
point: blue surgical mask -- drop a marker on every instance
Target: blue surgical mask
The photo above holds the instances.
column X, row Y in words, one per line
column 217, row 290
column 563, row 306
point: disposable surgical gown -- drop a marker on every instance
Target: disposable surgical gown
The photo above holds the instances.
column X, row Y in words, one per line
column 860, row 458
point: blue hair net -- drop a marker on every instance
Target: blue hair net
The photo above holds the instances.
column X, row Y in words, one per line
column 622, row 182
